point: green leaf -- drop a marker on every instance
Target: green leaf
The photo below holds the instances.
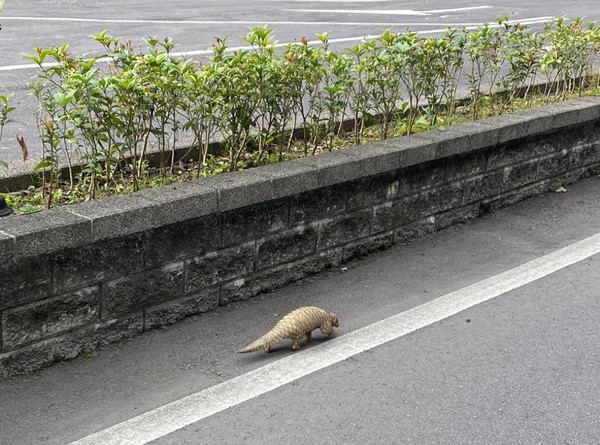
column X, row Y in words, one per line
column 42, row 165
column 29, row 208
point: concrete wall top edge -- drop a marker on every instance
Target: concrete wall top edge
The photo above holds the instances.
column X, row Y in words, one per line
column 46, row 231
column 71, row 226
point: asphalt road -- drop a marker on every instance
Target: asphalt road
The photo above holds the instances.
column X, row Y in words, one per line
column 521, row 368
column 27, row 24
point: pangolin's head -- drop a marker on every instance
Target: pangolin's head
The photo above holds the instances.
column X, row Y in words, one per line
column 334, row 320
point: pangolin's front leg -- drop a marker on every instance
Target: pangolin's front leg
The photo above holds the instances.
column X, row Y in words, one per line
column 308, row 336
column 296, row 344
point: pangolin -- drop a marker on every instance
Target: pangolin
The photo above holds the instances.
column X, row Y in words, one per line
column 295, row 325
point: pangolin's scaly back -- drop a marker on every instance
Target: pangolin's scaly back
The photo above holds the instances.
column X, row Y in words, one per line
column 294, row 325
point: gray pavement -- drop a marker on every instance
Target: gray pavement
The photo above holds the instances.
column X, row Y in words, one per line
column 27, row 24
column 524, row 369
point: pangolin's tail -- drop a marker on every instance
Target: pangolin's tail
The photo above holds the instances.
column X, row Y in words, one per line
column 264, row 343
column 253, row 347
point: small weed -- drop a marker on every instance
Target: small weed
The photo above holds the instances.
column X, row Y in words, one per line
column 5, row 110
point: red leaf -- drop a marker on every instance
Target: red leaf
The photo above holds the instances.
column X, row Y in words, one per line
column 23, row 145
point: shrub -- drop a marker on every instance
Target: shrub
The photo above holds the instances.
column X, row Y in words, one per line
column 267, row 106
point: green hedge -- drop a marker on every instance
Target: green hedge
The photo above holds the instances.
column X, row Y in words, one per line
column 110, row 114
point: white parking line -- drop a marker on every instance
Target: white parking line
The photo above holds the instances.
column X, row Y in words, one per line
column 409, row 12
column 213, row 22
column 246, row 22
column 191, row 409
column 333, row 1
column 529, row 21
column 392, row 11
column 466, row 8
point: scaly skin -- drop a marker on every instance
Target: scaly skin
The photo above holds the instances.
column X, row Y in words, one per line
column 297, row 324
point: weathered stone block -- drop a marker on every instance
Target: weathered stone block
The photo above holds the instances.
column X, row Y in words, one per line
column 103, row 260
column 420, row 177
column 286, row 246
column 224, row 265
column 538, row 120
column 481, row 135
column 248, row 287
column 384, row 217
column 290, row 178
column 544, row 145
column 334, row 168
column 446, row 196
column 586, row 133
column 249, row 222
column 568, row 178
column 456, row 215
column 344, row 228
column 553, row 165
column 391, row 154
column 418, row 150
column 240, row 189
column 401, row 212
column 367, row 246
column 36, row 321
column 465, row 166
column 521, row 124
column 450, row 141
column 414, row 230
column 7, row 247
column 573, row 112
column 513, row 196
column 584, row 154
column 482, row 186
column 68, row 346
column 26, row 360
column 376, row 157
column 142, row 290
column 173, row 311
column 320, row 204
column 413, row 208
column 86, row 339
column 181, row 202
column 315, row 264
column 26, row 281
column 119, row 216
column 593, row 170
column 182, row 240
column 372, row 190
column 507, row 154
column 46, row 232
column 456, row 140
column 519, row 175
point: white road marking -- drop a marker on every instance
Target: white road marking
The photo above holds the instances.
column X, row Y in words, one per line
column 364, row 11
column 391, row 11
column 466, row 8
column 171, row 22
column 529, row 21
column 333, row 1
column 247, row 22
column 193, row 408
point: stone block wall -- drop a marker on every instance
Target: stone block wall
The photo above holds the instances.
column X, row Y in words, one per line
column 83, row 276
